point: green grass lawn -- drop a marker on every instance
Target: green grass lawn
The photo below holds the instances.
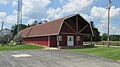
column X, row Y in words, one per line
column 19, row 47
column 101, row 51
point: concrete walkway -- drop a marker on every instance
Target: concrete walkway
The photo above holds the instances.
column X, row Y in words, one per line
column 51, row 58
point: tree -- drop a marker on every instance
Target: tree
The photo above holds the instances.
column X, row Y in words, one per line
column 114, row 37
column 96, row 33
column 15, row 27
column 104, row 37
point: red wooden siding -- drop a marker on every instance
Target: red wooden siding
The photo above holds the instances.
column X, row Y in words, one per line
column 66, row 29
column 79, row 42
column 64, row 40
column 37, row 40
column 53, row 41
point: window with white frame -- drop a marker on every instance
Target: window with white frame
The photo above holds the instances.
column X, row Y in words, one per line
column 59, row 38
column 78, row 38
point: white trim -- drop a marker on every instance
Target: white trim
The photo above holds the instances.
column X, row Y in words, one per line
column 60, row 27
column 91, row 29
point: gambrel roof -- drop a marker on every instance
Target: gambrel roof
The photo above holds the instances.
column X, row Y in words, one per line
column 50, row 28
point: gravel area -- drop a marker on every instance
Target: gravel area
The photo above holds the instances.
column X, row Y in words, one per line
column 52, row 58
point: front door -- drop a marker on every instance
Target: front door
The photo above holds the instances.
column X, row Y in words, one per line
column 70, row 41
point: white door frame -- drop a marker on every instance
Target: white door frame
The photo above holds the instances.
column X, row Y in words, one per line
column 70, row 40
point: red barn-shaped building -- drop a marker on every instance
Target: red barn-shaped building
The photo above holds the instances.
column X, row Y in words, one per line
column 67, row 31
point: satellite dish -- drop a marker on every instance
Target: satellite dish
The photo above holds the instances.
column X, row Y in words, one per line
column 1, row 37
column 5, row 36
column 18, row 39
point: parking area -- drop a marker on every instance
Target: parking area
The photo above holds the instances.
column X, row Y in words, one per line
column 52, row 58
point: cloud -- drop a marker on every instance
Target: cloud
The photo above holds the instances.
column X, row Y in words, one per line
column 98, row 12
column 5, row 2
column 103, row 28
column 14, row 3
column 35, row 9
column 114, row 29
column 62, row 2
column 115, row 11
column 8, row 20
column 76, row 5
column 86, row 16
column 54, row 13
column 71, row 7
column 11, row 19
column 30, row 21
column 2, row 14
column 101, row 14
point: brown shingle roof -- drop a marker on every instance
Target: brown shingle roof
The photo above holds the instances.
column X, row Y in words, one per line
column 48, row 28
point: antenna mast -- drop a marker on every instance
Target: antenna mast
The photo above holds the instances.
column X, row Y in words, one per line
column 19, row 15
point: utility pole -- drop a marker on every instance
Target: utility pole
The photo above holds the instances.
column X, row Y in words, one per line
column 108, row 7
column 2, row 25
column 19, row 15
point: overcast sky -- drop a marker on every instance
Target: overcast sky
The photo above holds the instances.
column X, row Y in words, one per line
column 91, row 10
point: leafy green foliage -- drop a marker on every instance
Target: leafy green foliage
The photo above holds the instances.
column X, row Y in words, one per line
column 104, row 37
column 15, row 27
column 115, row 37
column 96, row 33
column 112, row 37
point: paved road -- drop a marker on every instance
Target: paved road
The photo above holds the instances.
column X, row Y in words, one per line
column 52, row 58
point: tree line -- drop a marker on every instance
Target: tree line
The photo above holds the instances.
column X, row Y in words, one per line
column 112, row 37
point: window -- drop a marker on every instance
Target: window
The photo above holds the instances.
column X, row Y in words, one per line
column 78, row 38
column 59, row 38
